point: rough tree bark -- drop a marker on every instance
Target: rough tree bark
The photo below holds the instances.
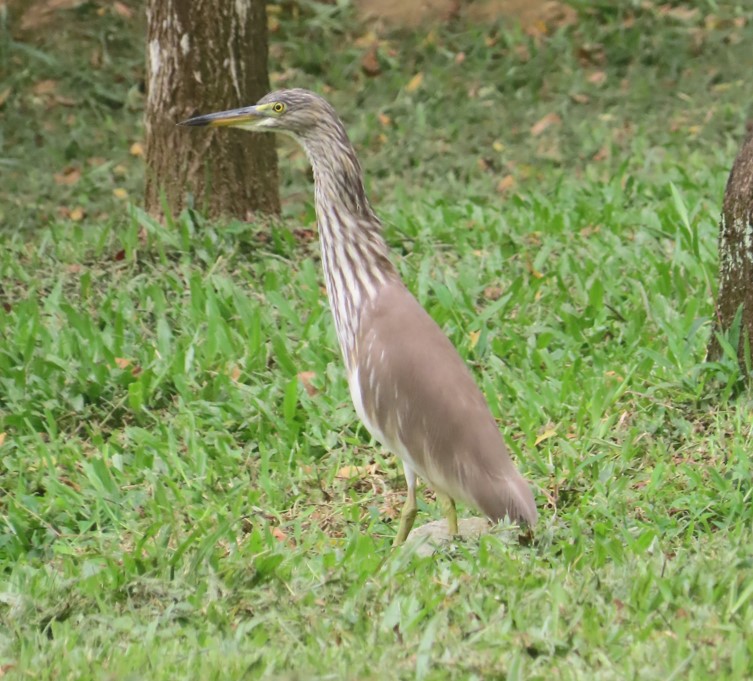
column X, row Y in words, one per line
column 736, row 254
column 204, row 56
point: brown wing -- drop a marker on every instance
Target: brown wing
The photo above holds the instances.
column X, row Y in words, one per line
column 420, row 394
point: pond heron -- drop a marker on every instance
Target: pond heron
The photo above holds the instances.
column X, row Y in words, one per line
column 409, row 386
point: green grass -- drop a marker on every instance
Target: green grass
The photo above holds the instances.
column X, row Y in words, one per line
column 173, row 501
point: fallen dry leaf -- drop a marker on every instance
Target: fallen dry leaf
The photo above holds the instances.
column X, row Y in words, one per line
column 550, row 432
column 43, row 12
column 120, row 193
column 306, row 378
column 415, row 82
column 384, row 119
column 235, row 373
column 64, row 101
column 68, row 176
column 546, row 122
column 580, row 98
column 591, row 54
column 533, row 271
column 460, row 57
column 122, row 10
column 77, row 214
column 597, row 78
column 278, row 534
column 122, row 362
column 137, row 149
column 348, row 472
column 474, row 336
column 679, row 13
column 493, row 292
column 370, row 62
column 2, row 438
column 368, row 39
column 44, row 87
column 4, row 95
column 505, row 184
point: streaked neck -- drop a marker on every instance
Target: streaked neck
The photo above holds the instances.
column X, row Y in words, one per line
column 355, row 257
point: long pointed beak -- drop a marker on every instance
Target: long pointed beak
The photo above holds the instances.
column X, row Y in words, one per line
column 244, row 117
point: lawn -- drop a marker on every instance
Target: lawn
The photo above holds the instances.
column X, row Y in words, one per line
column 185, row 491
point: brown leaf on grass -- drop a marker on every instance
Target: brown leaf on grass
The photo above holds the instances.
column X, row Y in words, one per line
column 493, row 292
column 368, row 39
column 44, row 87
column 73, row 268
column 77, row 214
column 306, row 378
column 95, row 58
column 384, row 120
column 304, row 235
column 136, row 149
column 278, row 534
column 235, row 373
column 415, row 82
column 548, row 433
column 350, row 472
column 544, row 123
column 122, row 362
column 370, row 62
column 120, row 193
column 460, row 57
column 505, row 184
column 597, row 78
column 533, row 271
column 602, row 154
column 679, row 13
column 122, row 10
column 4, row 96
column 580, row 98
column 64, row 101
column 591, row 54
column 2, row 438
column 42, row 12
column 68, row 176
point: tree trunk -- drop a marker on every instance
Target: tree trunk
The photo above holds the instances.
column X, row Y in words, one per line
column 204, row 56
column 736, row 257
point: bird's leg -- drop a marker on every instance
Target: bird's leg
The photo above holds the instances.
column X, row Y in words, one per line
column 410, row 508
column 447, row 504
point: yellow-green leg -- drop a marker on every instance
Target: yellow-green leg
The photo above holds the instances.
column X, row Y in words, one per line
column 447, row 504
column 410, row 508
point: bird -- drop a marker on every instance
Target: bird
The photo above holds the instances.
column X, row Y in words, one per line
column 409, row 386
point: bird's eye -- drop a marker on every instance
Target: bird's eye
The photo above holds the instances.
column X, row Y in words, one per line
column 278, row 107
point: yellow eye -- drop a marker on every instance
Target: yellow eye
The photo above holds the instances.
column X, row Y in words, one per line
column 278, row 107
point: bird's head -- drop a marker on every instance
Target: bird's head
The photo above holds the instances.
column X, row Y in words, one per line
column 297, row 112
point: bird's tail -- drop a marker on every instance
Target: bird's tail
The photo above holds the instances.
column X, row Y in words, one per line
column 509, row 495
